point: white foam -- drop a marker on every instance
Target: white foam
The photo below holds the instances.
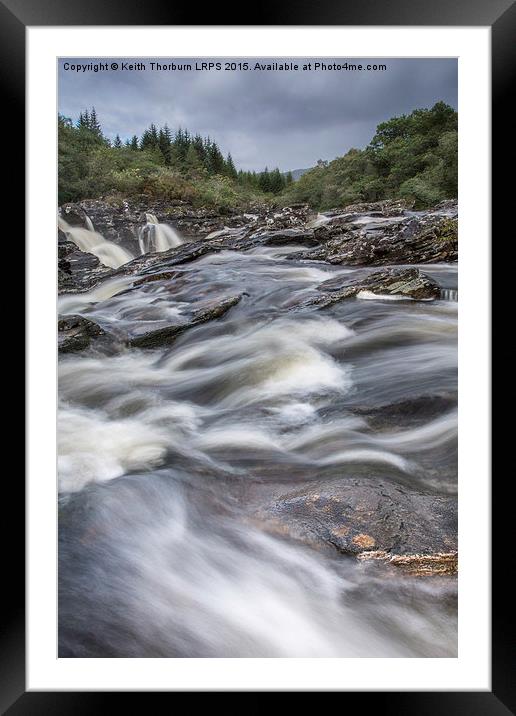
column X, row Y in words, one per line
column 93, row 448
column 371, row 296
column 367, row 456
column 294, row 413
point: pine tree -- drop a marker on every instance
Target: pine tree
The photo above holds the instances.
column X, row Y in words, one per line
column 193, row 163
column 276, row 181
column 94, row 124
column 164, row 143
column 215, row 160
column 134, row 142
column 180, row 144
column 198, row 143
column 117, row 144
column 230, row 169
column 264, row 180
column 150, row 139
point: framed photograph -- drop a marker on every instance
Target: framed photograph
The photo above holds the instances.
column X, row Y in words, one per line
column 258, row 365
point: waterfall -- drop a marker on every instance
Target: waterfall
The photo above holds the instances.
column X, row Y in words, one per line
column 89, row 223
column 155, row 237
column 92, row 242
column 319, row 220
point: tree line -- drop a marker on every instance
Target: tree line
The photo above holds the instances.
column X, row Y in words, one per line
column 184, row 151
column 412, row 156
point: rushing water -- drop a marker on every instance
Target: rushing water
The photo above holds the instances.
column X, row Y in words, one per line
column 153, row 237
column 156, row 237
column 90, row 241
column 164, row 454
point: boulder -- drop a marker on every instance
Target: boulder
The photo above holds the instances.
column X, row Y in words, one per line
column 74, row 214
column 75, row 333
column 370, row 519
column 75, row 267
column 393, row 282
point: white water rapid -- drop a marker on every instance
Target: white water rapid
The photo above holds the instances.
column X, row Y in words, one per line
column 167, row 455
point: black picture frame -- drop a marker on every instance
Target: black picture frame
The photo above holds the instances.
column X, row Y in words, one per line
column 500, row 15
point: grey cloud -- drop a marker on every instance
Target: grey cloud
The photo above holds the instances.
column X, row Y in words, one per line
column 285, row 119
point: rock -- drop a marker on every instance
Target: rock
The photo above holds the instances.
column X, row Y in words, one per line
column 74, row 214
column 370, row 518
column 284, row 237
column 168, row 334
column 65, row 282
column 405, row 283
column 386, row 207
column 430, row 238
column 75, row 267
column 121, row 220
column 77, row 270
column 448, row 206
column 407, row 413
column 417, row 565
column 422, row 238
column 224, row 240
column 61, row 237
column 75, row 333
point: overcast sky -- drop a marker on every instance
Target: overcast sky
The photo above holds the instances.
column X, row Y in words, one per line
column 269, row 118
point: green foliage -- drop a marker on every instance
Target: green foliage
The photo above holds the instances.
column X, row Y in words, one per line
column 412, row 156
column 160, row 164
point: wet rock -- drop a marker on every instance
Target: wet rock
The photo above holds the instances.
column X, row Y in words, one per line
column 167, row 335
column 119, row 220
column 75, row 333
column 404, row 283
column 224, row 240
column 285, row 217
column 386, row 207
column 284, row 237
column 407, row 413
column 416, row 565
column 74, row 214
column 448, row 206
column 362, row 516
column 65, row 282
column 429, row 238
column 74, row 266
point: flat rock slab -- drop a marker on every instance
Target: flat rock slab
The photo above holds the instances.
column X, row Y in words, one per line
column 390, row 283
column 284, row 237
column 167, row 335
column 370, row 519
column 431, row 238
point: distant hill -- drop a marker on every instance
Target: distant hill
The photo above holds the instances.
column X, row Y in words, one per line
column 297, row 173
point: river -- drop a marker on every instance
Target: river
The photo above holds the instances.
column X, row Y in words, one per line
column 165, row 455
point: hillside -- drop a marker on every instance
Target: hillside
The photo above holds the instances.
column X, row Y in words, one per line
column 413, row 156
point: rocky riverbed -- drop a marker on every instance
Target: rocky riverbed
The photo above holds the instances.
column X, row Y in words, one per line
column 257, row 430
